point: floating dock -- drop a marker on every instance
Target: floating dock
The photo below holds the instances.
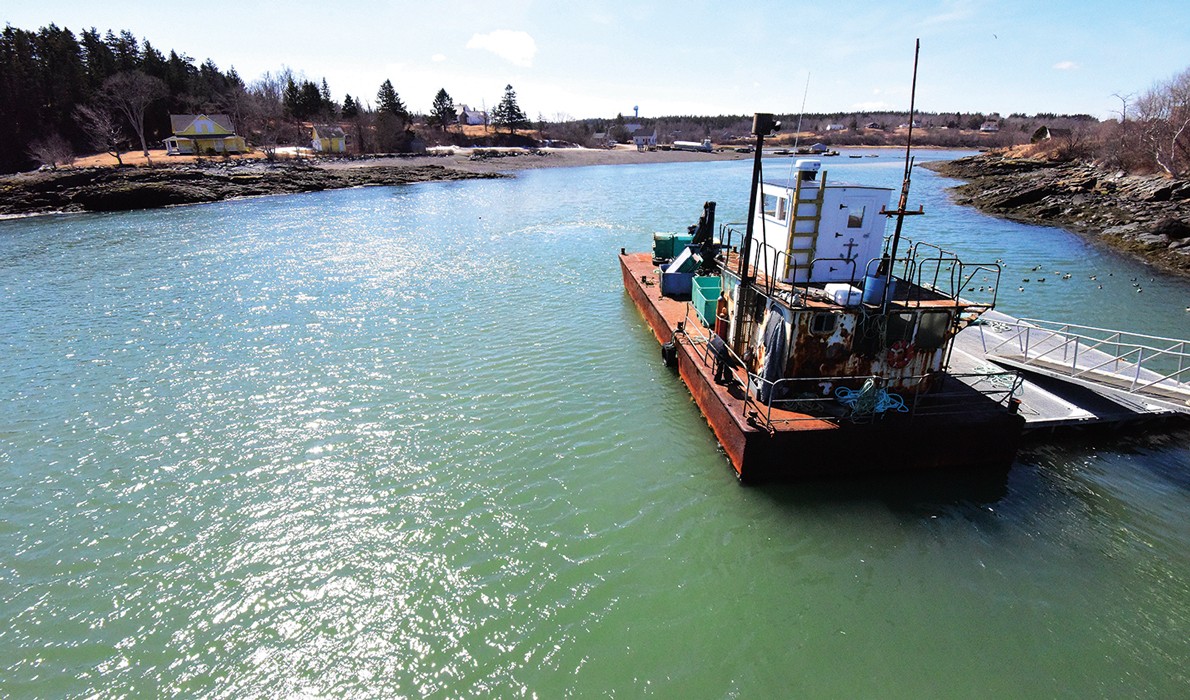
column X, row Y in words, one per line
column 1078, row 376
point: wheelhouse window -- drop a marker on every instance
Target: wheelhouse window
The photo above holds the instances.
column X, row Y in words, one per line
column 776, row 207
column 855, row 217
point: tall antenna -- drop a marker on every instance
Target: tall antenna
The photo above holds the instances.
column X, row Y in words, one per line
column 900, row 211
column 798, row 135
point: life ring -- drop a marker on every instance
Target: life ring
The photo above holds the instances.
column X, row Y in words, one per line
column 899, row 354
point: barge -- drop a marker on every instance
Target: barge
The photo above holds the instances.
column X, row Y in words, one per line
column 814, row 343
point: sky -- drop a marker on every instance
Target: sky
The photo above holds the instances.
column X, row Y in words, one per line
column 599, row 59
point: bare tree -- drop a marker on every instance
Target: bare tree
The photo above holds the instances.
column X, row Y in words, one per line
column 51, row 151
column 266, row 112
column 1164, row 116
column 1115, row 147
column 131, row 92
column 237, row 104
column 102, row 127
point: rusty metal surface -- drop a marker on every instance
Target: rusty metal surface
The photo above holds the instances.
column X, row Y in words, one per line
column 794, row 444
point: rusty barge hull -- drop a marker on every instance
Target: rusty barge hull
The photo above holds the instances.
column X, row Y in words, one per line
column 801, row 446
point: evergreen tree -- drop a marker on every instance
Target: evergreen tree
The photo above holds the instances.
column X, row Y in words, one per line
column 63, row 80
column 508, row 113
column 20, row 80
column 234, row 80
column 153, row 61
column 125, row 48
column 291, row 97
column 442, row 112
column 98, row 57
column 210, row 83
column 178, row 72
column 387, row 101
column 309, row 101
column 350, row 109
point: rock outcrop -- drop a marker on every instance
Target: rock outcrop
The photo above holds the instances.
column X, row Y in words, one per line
column 118, row 189
column 1146, row 216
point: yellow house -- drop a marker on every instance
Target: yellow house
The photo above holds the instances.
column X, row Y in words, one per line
column 328, row 138
column 203, row 134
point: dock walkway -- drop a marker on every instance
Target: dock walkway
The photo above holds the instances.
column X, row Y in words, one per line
column 1078, row 376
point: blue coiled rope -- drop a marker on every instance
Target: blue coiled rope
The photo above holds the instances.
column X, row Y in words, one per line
column 870, row 399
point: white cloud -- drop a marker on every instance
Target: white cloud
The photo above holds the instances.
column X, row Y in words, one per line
column 518, row 48
column 438, row 58
column 1065, row 65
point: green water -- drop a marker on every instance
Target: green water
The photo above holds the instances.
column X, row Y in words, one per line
column 417, row 442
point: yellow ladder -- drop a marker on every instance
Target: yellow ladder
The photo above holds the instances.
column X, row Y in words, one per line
column 804, row 243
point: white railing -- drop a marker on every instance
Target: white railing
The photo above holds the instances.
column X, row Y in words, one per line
column 1141, row 361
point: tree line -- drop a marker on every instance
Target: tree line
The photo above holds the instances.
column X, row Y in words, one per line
column 62, row 93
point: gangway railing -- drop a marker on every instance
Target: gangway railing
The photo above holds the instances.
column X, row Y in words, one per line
column 1135, row 362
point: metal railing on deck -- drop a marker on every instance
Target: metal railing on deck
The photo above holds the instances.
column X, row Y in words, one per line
column 820, row 398
column 931, row 270
column 1136, row 360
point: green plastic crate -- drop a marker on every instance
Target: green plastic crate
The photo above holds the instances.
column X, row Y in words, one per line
column 667, row 246
column 663, row 246
column 704, row 295
column 681, row 240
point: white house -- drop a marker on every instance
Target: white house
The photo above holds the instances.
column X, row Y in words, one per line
column 471, row 117
column 644, row 141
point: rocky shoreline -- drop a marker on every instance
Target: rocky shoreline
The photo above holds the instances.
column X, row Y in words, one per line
column 119, row 189
column 1145, row 216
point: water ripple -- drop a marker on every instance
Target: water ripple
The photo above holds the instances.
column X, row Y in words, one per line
column 414, row 441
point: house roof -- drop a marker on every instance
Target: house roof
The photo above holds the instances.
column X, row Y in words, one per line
column 181, row 123
column 328, row 131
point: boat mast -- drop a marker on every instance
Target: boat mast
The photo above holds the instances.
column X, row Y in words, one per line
column 763, row 124
column 900, row 211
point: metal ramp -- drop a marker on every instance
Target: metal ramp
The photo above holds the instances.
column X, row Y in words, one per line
column 1083, row 374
